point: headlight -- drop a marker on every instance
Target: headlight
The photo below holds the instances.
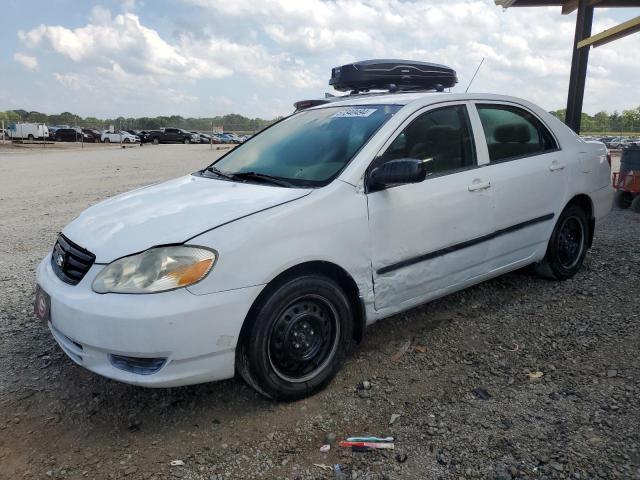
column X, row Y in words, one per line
column 156, row 270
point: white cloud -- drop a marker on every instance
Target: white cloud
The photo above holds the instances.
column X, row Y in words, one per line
column 124, row 43
column 27, row 61
column 73, row 81
column 527, row 51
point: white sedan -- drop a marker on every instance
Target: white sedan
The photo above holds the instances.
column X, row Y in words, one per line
column 119, row 137
column 271, row 261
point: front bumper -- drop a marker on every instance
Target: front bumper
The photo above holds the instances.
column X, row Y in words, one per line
column 195, row 334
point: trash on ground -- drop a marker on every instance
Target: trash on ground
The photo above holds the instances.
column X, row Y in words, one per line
column 323, row 466
column 368, row 445
column 366, row 385
column 403, row 349
column 394, row 418
column 370, row 439
column 482, row 394
column 177, row 463
column 537, row 375
column 420, row 349
column 325, row 448
column 338, row 472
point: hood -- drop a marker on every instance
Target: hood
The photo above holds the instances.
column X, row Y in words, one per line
column 169, row 212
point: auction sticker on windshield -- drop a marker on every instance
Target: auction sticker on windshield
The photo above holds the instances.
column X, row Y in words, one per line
column 354, row 112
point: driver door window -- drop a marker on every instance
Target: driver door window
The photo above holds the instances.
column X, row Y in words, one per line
column 440, row 138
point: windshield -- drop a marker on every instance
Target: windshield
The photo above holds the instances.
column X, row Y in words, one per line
column 309, row 148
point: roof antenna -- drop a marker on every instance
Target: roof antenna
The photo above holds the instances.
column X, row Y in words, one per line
column 474, row 75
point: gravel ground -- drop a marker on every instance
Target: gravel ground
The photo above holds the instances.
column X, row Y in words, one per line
column 465, row 388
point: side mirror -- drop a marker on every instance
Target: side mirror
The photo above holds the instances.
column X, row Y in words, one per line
column 397, row 172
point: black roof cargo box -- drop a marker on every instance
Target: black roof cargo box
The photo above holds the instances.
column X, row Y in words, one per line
column 392, row 75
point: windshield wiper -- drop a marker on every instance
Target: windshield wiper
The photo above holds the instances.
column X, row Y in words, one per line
column 262, row 176
column 218, row 172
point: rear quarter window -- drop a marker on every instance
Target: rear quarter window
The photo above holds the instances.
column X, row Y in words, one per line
column 512, row 132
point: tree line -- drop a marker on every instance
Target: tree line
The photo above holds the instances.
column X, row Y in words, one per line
column 627, row 122
column 230, row 122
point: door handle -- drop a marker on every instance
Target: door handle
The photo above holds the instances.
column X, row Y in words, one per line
column 479, row 185
column 556, row 165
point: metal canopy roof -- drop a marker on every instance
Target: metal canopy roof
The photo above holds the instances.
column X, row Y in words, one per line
column 568, row 6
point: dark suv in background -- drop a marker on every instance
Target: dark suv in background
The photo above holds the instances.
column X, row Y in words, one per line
column 91, row 135
column 171, row 135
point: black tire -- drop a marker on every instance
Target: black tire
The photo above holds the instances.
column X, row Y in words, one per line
column 567, row 246
column 107, row 140
column 186, row 140
column 155, row 141
column 30, row 138
column 635, row 204
column 623, row 199
column 298, row 338
column 96, row 140
column 126, row 140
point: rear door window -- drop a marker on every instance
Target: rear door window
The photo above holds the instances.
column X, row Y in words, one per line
column 513, row 132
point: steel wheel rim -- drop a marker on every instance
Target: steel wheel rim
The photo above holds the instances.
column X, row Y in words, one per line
column 304, row 338
column 570, row 242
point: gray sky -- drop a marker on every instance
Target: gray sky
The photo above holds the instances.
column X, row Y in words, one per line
column 256, row 57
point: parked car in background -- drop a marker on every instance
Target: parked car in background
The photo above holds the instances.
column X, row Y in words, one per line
column 54, row 128
column 633, row 142
column 93, row 135
column 172, row 135
column 71, row 135
column 117, row 137
column 226, row 138
column 615, row 142
column 28, row 131
column 204, row 137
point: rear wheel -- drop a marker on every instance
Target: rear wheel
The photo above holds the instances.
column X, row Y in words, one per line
column 568, row 245
column 623, row 199
column 635, row 204
column 30, row 137
column 107, row 140
column 155, row 141
column 298, row 339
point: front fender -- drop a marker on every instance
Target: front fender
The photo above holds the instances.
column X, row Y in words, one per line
column 328, row 225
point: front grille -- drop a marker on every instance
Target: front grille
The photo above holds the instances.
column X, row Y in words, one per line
column 69, row 261
column 141, row 366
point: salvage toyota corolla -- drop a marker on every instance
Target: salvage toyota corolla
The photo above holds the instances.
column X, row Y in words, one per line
column 272, row 261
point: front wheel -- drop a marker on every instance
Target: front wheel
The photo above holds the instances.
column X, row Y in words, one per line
column 568, row 245
column 126, row 140
column 107, row 140
column 186, row 140
column 300, row 333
